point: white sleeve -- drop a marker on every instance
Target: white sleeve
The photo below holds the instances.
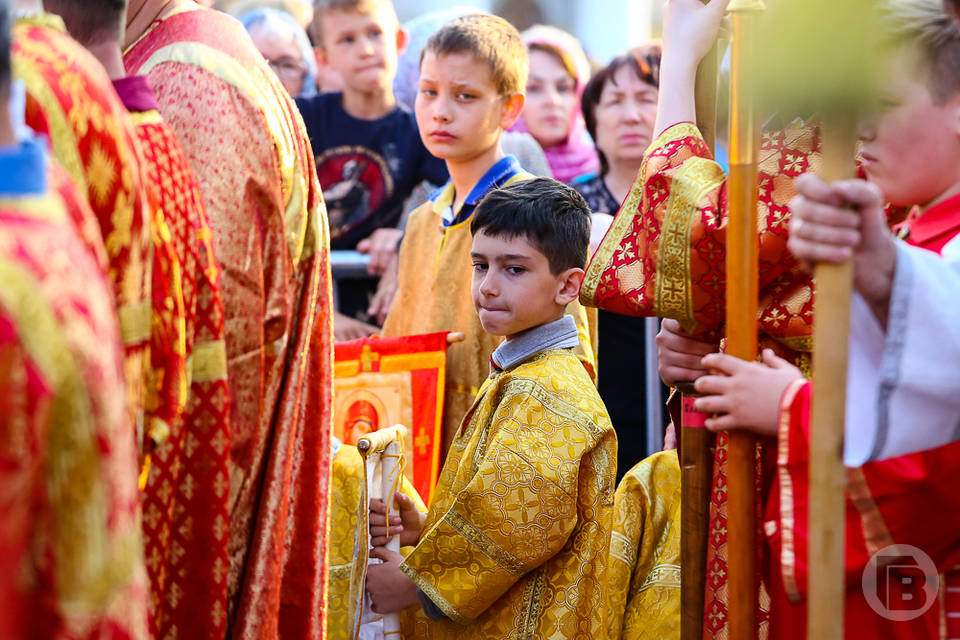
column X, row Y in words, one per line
column 903, row 390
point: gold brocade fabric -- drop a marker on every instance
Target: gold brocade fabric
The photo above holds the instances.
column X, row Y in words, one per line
column 249, row 151
column 643, row 601
column 515, row 544
column 346, row 484
column 71, row 558
column 434, row 295
column 70, row 99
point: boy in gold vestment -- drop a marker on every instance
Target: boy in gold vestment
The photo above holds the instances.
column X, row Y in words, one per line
column 516, row 541
column 472, row 76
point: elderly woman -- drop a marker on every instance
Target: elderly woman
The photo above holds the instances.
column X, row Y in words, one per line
column 619, row 108
column 284, row 44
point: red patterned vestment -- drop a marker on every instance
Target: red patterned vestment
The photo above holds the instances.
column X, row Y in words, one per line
column 186, row 509
column 70, row 99
column 888, row 502
column 664, row 255
column 249, row 151
column 71, row 564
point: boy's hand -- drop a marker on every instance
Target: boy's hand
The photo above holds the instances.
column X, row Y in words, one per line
column 389, row 588
column 831, row 223
column 386, row 291
column 408, row 524
column 747, row 394
column 347, row 328
column 382, row 246
column 678, row 355
column 690, row 28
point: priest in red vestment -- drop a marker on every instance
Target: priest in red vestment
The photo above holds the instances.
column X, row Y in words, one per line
column 664, row 254
column 70, row 100
column 71, row 562
column 186, row 490
column 251, row 156
column 890, row 502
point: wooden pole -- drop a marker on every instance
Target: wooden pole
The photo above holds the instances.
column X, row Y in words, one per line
column 696, row 443
column 828, row 478
column 825, row 57
column 696, row 483
column 741, row 294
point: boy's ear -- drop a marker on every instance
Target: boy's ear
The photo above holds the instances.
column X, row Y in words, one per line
column 512, row 108
column 320, row 55
column 954, row 103
column 569, row 282
column 403, row 39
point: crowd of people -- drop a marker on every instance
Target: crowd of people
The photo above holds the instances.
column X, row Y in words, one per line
column 174, row 183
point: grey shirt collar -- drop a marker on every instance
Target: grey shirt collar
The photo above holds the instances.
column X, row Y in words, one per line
column 559, row 334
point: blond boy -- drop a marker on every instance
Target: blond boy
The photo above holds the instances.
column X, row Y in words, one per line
column 472, row 75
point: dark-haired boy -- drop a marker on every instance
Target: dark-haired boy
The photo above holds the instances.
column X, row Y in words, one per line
column 369, row 154
column 516, row 539
column 472, row 76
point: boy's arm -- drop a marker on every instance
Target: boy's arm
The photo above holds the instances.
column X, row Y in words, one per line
column 906, row 501
column 517, row 512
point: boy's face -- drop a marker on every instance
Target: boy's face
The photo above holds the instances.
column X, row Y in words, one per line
column 513, row 287
column 459, row 111
column 361, row 46
column 911, row 147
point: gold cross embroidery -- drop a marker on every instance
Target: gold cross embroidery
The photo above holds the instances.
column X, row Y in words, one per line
column 368, row 358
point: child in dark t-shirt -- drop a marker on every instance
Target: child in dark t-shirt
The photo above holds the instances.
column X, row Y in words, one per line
column 368, row 150
column 367, row 168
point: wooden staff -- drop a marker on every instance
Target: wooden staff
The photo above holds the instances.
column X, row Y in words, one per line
column 741, row 293
column 695, row 442
column 828, row 477
column 696, row 483
column 824, row 62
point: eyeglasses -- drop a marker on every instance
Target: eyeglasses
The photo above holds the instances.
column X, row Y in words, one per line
column 287, row 67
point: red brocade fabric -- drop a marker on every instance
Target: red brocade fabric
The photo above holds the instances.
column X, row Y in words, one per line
column 70, row 100
column 186, row 509
column 664, row 255
column 250, row 154
column 71, row 564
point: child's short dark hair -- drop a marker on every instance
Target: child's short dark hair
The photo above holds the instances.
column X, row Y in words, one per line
column 90, row 21
column 490, row 39
column 553, row 217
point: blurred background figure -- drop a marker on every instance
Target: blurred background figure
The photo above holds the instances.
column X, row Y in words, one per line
column 301, row 10
column 283, row 42
column 559, row 69
column 619, row 107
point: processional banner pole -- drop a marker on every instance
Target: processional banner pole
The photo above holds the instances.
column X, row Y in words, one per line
column 824, row 63
column 695, row 442
column 741, row 325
